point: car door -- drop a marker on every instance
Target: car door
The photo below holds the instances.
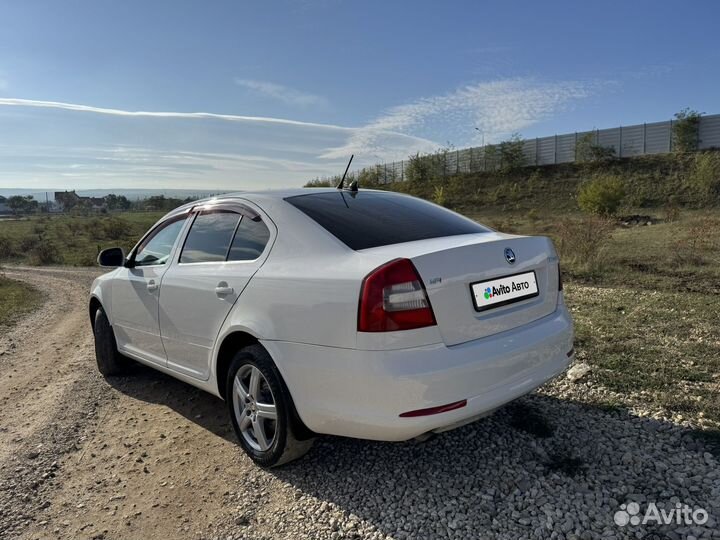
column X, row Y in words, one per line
column 135, row 292
column 224, row 247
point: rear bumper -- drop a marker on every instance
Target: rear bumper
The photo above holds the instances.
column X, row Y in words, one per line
column 361, row 394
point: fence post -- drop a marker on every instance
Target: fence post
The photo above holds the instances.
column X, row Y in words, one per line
column 644, row 138
column 620, row 148
column 575, row 149
column 555, row 151
column 457, row 161
column 537, row 150
column 385, row 167
column 402, row 170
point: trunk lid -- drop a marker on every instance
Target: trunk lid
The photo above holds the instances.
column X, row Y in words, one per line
column 449, row 266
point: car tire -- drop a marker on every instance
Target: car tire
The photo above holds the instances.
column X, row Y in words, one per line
column 262, row 411
column 109, row 360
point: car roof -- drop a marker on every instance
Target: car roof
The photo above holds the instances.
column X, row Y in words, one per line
column 259, row 195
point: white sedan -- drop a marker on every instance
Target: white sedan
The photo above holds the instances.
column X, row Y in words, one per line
column 364, row 314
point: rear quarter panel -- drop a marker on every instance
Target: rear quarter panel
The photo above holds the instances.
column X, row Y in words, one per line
column 307, row 291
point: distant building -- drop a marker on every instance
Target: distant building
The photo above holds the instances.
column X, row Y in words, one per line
column 67, row 200
column 4, row 208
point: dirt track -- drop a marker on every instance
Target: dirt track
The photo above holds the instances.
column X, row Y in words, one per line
column 145, row 456
column 80, row 458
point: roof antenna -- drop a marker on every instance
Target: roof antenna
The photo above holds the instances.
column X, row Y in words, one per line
column 341, row 185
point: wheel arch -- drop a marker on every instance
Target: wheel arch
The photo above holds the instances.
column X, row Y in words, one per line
column 93, row 307
column 231, row 344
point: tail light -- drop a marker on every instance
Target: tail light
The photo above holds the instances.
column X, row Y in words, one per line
column 392, row 298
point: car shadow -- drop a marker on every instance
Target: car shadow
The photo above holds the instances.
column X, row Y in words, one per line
column 535, row 463
column 151, row 386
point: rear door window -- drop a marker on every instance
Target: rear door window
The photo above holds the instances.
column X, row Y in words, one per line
column 370, row 219
column 210, row 237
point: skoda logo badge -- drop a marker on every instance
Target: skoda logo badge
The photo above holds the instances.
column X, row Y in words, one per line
column 509, row 256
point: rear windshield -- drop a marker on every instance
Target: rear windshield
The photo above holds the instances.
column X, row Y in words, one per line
column 370, row 219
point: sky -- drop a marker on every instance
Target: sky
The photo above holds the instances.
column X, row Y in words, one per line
column 249, row 95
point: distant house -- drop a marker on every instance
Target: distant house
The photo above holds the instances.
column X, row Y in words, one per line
column 4, row 208
column 67, row 200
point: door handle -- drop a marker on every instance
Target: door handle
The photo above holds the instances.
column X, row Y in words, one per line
column 223, row 289
column 151, row 285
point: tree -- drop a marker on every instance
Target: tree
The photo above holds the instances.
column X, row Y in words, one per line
column 418, row 168
column 511, row 153
column 586, row 150
column 685, row 130
column 117, row 202
column 160, row 202
column 24, row 205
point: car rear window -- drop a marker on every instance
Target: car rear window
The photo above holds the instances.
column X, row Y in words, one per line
column 368, row 219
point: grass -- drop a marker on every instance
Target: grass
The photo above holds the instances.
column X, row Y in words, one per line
column 16, row 299
column 68, row 239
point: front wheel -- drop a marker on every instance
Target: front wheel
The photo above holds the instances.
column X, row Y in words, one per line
column 109, row 360
column 261, row 409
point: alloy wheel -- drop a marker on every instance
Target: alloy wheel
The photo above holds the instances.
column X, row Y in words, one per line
column 255, row 409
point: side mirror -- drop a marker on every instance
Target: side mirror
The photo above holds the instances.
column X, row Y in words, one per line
column 111, row 258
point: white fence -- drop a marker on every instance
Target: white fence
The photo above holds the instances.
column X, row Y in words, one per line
column 626, row 141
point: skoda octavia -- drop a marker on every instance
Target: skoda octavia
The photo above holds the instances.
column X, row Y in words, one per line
column 364, row 314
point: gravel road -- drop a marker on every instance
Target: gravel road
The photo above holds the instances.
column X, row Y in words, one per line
column 146, row 456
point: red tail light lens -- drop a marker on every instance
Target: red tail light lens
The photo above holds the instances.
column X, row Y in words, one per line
column 393, row 298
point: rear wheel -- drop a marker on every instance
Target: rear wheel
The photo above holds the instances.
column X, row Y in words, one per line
column 109, row 361
column 261, row 409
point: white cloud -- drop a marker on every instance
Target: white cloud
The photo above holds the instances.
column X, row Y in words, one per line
column 497, row 108
column 157, row 114
column 54, row 143
column 287, row 95
column 123, row 148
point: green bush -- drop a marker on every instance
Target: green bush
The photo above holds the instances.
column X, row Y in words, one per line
column 116, row 228
column 46, row 253
column 7, row 248
column 29, row 243
column 602, row 195
column 322, row 182
column 704, row 177
column 582, row 243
